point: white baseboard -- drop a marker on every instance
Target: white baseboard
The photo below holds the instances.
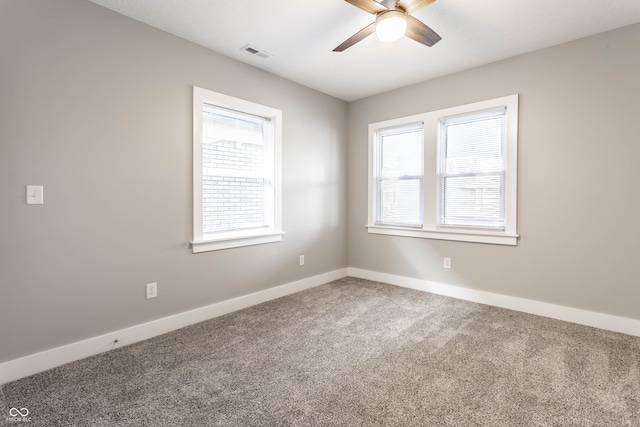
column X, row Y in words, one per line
column 582, row 317
column 38, row 362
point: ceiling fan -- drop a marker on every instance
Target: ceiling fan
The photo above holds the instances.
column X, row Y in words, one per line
column 393, row 21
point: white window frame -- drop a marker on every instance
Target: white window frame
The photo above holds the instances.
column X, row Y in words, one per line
column 390, row 131
column 232, row 239
column 431, row 192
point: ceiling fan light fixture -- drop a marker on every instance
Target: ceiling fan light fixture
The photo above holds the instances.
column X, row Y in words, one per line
column 391, row 26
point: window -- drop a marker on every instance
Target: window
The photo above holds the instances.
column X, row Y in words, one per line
column 449, row 174
column 471, row 177
column 236, row 168
column 399, row 177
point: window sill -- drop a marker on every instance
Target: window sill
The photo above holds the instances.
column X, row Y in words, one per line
column 228, row 242
column 474, row 236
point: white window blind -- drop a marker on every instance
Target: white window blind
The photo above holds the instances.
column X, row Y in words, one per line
column 400, row 176
column 237, row 171
column 473, row 170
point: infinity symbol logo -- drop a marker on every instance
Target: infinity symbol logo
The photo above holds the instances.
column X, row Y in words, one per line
column 15, row 412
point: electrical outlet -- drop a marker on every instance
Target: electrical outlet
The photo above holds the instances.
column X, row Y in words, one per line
column 447, row 263
column 301, row 259
column 152, row 290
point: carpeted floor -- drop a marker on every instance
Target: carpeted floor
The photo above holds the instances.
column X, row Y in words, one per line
column 350, row 353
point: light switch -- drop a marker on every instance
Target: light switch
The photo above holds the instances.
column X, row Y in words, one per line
column 35, row 194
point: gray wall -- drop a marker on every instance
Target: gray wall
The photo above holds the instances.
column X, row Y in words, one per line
column 579, row 211
column 97, row 108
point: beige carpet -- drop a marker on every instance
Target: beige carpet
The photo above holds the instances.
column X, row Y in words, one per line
column 350, row 353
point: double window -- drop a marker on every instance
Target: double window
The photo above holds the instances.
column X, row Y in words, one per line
column 236, row 147
column 449, row 174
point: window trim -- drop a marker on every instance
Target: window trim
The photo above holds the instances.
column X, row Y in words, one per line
column 431, row 203
column 234, row 239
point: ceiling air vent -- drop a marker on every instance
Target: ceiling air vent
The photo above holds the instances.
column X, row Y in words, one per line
column 255, row 51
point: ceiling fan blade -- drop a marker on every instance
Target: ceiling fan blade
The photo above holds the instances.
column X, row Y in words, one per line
column 411, row 6
column 419, row 32
column 359, row 36
column 371, row 6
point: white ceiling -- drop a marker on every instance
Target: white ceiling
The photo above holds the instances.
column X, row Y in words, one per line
column 301, row 34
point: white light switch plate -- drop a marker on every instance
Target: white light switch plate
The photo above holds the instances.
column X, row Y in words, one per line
column 35, row 194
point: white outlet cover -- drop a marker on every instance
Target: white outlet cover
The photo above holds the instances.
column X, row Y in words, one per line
column 152, row 290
